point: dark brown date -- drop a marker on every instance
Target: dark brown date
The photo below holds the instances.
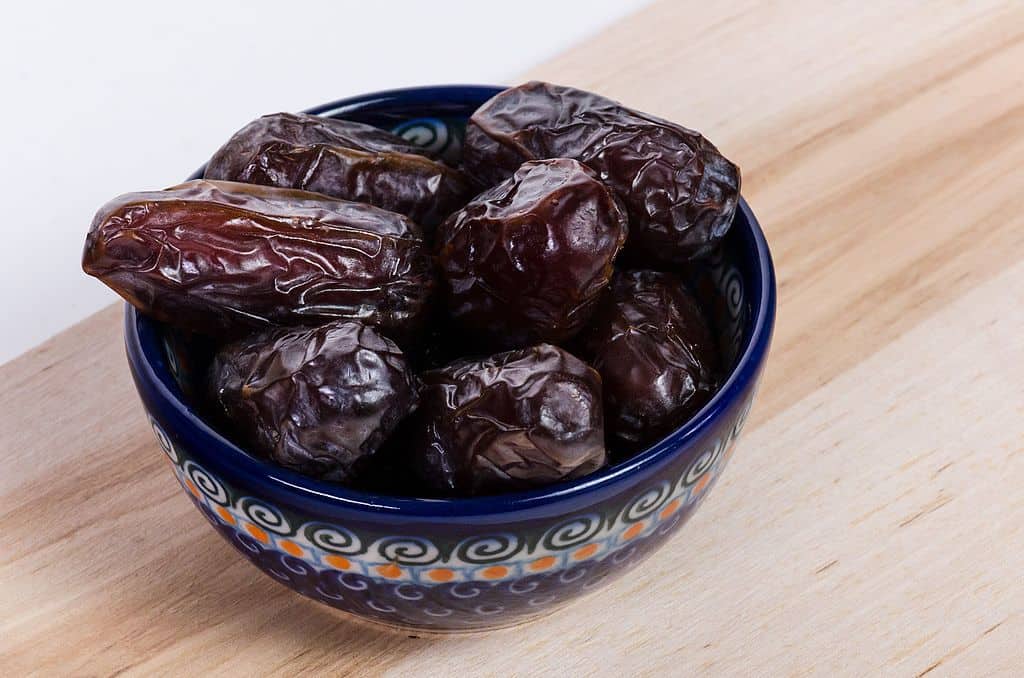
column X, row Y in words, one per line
column 526, row 260
column 679, row 191
column 318, row 401
column 343, row 159
column 658, row 360
column 219, row 257
column 514, row 420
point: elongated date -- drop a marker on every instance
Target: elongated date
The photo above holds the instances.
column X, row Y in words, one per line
column 343, row 159
column 221, row 257
column 680, row 192
column 319, row 401
column 514, row 420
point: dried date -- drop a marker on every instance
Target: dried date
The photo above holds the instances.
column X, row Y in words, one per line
column 514, row 420
column 343, row 159
column 679, row 191
column 220, row 257
column 319, row 401
column 656, row 355
column 526, row 260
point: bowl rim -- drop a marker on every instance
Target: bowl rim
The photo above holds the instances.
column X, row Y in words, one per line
column 144, row 347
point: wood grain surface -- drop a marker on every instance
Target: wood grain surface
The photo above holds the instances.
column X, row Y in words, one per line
column 872, row 520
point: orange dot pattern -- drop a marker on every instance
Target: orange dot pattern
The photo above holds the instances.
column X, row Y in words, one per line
column 389, row 571
column 291, row 548
column 669, row 509
column 441, row 574
column 225, row 515
column 633, row 531
column 257, row 533
column 494, row 572
column 701, row 484
column 338, row 562
column 585, row 552
column 541, row 564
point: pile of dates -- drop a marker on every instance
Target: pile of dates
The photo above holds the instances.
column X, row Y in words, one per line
column 391, row 322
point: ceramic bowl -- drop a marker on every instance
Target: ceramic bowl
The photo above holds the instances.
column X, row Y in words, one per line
column 461, row 564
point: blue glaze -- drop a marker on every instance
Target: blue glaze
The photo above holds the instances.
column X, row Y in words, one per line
column 611, row 496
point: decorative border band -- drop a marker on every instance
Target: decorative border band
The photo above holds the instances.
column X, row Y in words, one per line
column 493, row 557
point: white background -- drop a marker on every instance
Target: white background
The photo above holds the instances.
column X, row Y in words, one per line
column 104, row 98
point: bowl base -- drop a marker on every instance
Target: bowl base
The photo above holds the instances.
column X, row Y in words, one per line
column 427, row 632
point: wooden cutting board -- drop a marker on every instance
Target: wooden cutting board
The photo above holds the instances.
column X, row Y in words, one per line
column 873, row 517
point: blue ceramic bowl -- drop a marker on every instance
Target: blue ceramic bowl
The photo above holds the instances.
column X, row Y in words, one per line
column 461, row 564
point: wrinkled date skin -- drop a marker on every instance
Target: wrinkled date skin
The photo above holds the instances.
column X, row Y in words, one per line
column 526, row 260
column 343, row 159
column 319, row 401
column 679, row 191
column 514, row 420
column 220, row 257
column 657, row 358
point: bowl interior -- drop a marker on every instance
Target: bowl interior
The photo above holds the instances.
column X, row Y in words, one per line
column 734, row 286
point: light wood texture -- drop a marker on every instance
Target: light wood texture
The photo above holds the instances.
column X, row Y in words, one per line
column 872, row 519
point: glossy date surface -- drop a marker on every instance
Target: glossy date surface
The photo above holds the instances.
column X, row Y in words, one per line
column 656, row 356
column 343, row 159
column 319, row 401
column 679, row 191
column 220, row 257
column 526, row 260
column 514, row 420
